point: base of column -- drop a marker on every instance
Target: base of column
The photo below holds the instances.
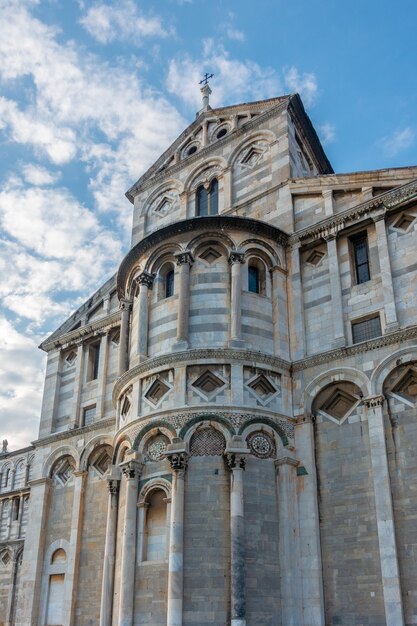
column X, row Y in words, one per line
column 237, row 343
column 238, row 622
column 180, row 346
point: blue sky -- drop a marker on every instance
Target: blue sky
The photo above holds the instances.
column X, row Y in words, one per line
column 92, row 92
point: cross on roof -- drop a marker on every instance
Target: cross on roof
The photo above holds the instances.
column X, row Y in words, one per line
column 206, row 79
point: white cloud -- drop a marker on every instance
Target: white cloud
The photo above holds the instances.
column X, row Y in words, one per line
column 327, row 133
column 21, row 384
column 107, row 22
column 397, row 142
column 233, row 81
column 305, row 84
column 235, row 34
column 39, row 176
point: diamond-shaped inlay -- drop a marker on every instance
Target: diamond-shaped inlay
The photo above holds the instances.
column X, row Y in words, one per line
column 406, row 385
column 208, row 384
column 252, row 157
column 163, row 206
column 101, row 464
column 263, row 387
column 404, row 221
column 315, row 257
column 5, row 557
column 125, row 408
column 339, row 404
column 63, row 471
column 157, row 391
column 70, row 358
column 210, row 255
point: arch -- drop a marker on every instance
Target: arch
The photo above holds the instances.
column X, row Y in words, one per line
column 257, row 421
column 339, row 374
column 153, row 426
column 216, row 421
column 91, row 447
column 162, row 254
column 262, row 135
column 152, row 485
column 256, row 282
column 258, row 425
column 58, row 544
column 56, row 455
column 120, row 448
column 216, row 238
column 130, row 285
column 264, row 251
column 387, row 365
column 154, row 432
column 217, row 164
column 165, row 187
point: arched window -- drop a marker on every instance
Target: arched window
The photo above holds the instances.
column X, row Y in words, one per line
column 207, row 199
column 56, row 588
column 253, row 279
column 155, row 545
column 169, row 284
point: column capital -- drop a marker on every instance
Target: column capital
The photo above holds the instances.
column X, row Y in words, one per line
column 184, row 258
column 125, row 304
column 235, row 459
column 236, row 257
column 327, row 193
column 286, row 460
column 145, row 279
column 131, row 468
column 372, row 402
column 178, row 460
column 379, row 217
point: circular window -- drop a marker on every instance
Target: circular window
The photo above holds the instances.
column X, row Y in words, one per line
column 191, row 150
column 261, row 445
column 157, row 447
column 222, row 132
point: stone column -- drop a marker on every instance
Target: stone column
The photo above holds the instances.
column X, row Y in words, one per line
column 391, row 586
column 21, row 511
column 131, row 470
column 235, row 260
column 308, row 516
column 102, row 374
column 336, row 292
column 289, row 548
column 227, row 189
column 9, row 519
column 184, row 261
column 71, row 576
column 391, row 320
column 235, row 459
column 113, row 481
column 145, row 281
column 50, row 392
column 142, row 508
column 296, row 307
column 125, row 307
column 177, row 456
column 280, row 312
column 78, row 383
column 31, row 574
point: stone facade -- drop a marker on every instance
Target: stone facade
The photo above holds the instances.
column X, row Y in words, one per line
column 229, row 425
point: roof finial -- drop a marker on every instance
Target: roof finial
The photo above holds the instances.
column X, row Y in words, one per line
column 206, row 91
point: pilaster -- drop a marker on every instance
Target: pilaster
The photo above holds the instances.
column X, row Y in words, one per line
column 391, row 320
column 125, row 308
column 336, row 292
column 184, row 262
column 236, row 259
column 106, row 608
column 145, row 281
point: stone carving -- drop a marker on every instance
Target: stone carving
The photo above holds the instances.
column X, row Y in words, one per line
column 156, row 447
column 261, row 445
column 235, row 460
column 113, row 487
column 178, row 461
column 207, row 442
column 145, row 279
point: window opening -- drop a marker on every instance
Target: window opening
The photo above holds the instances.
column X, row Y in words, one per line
column 93, row 361
column 207, row 200
column 361, row 258
column 89, row 414
column 253, row 279
column 366, row 329
column 169, row 284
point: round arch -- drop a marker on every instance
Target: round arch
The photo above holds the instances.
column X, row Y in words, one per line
column 213, row 162
column 56, row 455
column 91, row 447
column 263, row 135
column 340, row 374
column 387, row 365
column 281, row 438
column 215, row 421
column 152, row 427
column 121, row 446
column 257, row 247
column 154, row 484
column 163, row 253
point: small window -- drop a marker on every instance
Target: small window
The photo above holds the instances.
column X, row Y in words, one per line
column 15, row 509
column 221, row 133
column 361, row 258
column 253, row 279
column 93, row 361
column 89, row 414
column 192, row 150
column 207, row 199
column 366, row 329
column 169, row 284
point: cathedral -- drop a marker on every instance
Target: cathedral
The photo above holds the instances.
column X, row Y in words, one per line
column 229, row 424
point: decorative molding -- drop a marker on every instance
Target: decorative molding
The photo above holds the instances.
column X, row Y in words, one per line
column 286, row 460
column 113, row 487
column 184, row 258
column 397, row 336
column 178, row 461
column 335, row 223
column 75, row 432
column 236, row 257
column 211, row 222
column 84, row 332
column 235, row 460
column 131, row 469
column 372, row 402
column 191, row 357
column 145, row 279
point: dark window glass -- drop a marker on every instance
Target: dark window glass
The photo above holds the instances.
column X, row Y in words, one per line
column 89, row 415
column 202, row 201
column 169, row 284
column 253, row 279
column 192, row 150
column 214, row 197
column 368, row 329
column 222, row 132
column 360, row 251
column 96, row 360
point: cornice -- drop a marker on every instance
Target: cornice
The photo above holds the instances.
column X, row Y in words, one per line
column 22, row 491
column 397, row 336
column 385, row 201
column 74, row 432
column 214, row 222
column 82, row 333
column 151, row 176
column 191, row 356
